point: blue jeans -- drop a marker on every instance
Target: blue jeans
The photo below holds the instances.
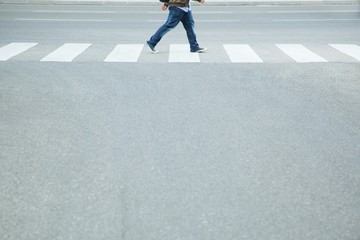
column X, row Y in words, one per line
column 175, row 16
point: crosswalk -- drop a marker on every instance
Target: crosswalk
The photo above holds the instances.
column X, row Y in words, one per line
column 179, row 53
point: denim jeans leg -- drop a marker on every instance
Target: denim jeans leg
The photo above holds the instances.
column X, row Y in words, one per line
column 189, row 25
column 175, row 16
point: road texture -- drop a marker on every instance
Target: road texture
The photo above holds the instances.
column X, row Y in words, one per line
column 157, row 150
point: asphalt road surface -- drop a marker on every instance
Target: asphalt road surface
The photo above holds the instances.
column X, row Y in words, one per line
column 258, row 138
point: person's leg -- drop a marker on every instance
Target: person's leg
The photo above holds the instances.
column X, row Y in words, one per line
column 175, row 15
column 189, row 24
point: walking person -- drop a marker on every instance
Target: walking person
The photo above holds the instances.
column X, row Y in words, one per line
column 179, row 11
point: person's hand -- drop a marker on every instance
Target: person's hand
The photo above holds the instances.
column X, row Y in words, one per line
column 164, row 7
column 202, row 1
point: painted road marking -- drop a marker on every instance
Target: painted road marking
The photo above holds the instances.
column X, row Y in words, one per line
column 62, row 20
column 125, row 53
column 181, row 53
column 242, row 53
column 300, row 53
column 14, row 49
column 236, row 53
column 349, row 49
column 66, row 53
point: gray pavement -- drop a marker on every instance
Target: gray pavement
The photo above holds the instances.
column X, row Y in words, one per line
column 114, row 151
column 159, row 150
column 208, row 2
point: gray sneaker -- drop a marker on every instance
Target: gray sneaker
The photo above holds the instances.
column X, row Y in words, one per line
column 152, row 48
column 199, row 50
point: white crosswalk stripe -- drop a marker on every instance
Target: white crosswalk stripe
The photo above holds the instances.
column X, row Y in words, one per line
column 300, row 53
column 14, row 49
column 66, row 53
column 242, row 53
column 181, row 53
column 125, row 53
column 349, row 49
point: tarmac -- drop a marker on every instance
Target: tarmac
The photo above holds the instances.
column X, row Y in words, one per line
column 208, row 2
